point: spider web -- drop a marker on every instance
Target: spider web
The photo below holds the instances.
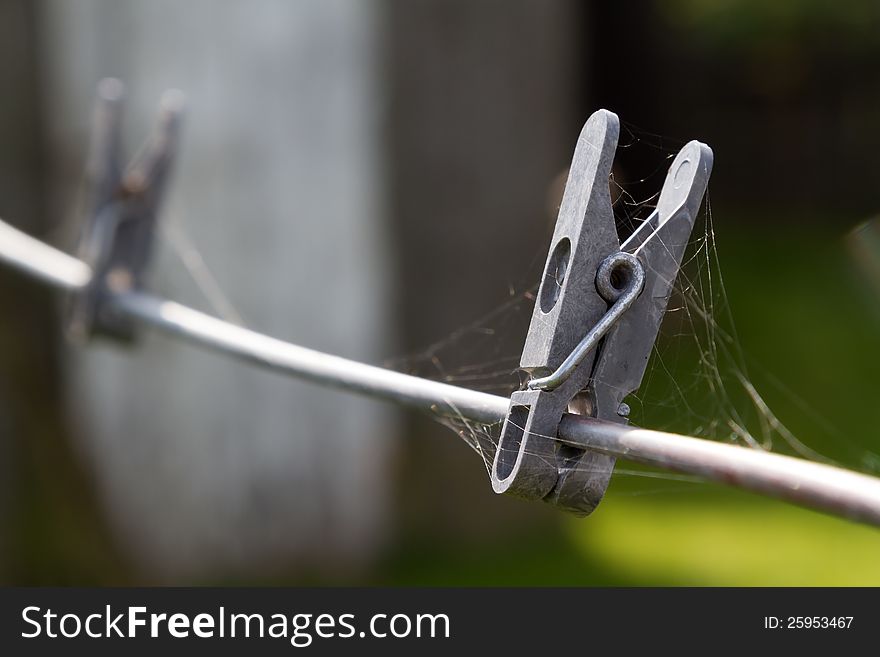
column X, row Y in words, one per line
column 698, row 381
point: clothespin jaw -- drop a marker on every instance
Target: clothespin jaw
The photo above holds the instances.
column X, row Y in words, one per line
column 121, row 211
column 596, row 317
column 526, row 461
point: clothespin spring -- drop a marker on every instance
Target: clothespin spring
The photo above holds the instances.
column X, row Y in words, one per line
column 618, row 269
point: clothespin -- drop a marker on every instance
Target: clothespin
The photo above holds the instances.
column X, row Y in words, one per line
column 597, row 314
column 121, row 211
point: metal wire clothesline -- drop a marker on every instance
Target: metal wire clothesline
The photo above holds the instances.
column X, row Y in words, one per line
column 823, row 487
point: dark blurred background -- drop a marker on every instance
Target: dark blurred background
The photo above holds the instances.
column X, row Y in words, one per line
column 446, row 194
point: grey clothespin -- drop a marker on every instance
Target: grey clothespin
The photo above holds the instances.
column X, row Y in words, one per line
column 121, row 211
column 596, row 317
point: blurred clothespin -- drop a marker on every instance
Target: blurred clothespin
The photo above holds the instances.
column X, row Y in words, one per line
column 596, row 317
column 121, row 211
